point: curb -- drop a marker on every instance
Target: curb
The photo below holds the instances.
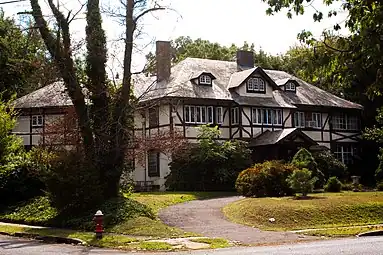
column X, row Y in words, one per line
column 371, row 233
column 47, row 239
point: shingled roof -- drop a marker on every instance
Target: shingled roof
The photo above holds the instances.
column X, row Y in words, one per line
column 227, row 77
column 181, row 85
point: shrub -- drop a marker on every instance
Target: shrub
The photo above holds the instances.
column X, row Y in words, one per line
column 347, row 186
column 301, row 182
column 379, row 186
column 208, row 165
column 333, row 185
column 379, row 172
column 304, row 159
column 329, row 165
column 265, row 179
column 72, row 183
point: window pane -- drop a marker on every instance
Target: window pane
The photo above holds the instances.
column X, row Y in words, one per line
column 210, row 114
column 259, row 116
column 279, row 121
column 198, row 114
column 153, row 164
column 203, row 108
column 187, row 114
column 192, row 114
column 219, row 115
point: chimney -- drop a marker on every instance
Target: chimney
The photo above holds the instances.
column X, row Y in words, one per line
column 245, row 59
column 163, row 60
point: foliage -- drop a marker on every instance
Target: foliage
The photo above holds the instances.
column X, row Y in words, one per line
column 322, row 210
column 23, row 62
column 379, row 170
column 379, row 186
column 265, row 179
column 185, row 47
column 17, row 176
column 208, row 165
column 347, row 186
column 329, row 165
column 304, row 159
column 333, row 185
column 300, row 181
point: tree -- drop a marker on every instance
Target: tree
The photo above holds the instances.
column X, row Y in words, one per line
column 24, row 65
column 300, row 181
column 105, row 125
column 185, row 47
column 304, row 159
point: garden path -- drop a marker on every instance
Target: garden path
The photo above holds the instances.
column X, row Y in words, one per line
column 206, row 217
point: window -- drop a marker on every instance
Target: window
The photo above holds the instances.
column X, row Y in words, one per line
column 345, row 152
column 345, row 122
column 256, row 84
column 299, row 119
column 219, row 115
column 153, row 164
column 198, row 114
column 37, row 121
column 205, row 79
column 235, row 115
column 267, row 116
column 290, row 86
column 154, row 117
column 312, row 120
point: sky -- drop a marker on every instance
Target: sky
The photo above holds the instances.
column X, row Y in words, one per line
column 222, row 21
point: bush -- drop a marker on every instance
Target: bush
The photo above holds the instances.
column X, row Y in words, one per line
column 333, row 185
column 347, row 186
column 265, row 179
column 304, row 159
column 208, row 165
column 379, row 172
column 329, row 165
column 379, row 186
column 301, row 182
column 72, row 183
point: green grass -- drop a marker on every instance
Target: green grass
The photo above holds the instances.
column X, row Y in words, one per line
column 323, row 210
column 136, row 215
column 342, row 232
column 214, row 243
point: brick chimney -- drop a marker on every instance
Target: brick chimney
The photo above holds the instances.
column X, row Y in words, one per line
column 163, row 60
column 245, row 59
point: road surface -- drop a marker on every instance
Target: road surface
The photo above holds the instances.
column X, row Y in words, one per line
column 362, row 245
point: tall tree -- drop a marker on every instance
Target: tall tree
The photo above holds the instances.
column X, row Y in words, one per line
column 106, row 126
column 185, row 47
column 24, row 65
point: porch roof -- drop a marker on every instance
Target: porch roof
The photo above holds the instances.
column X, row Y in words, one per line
column 276, row 137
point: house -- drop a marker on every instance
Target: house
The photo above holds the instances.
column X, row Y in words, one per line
column 274, row 111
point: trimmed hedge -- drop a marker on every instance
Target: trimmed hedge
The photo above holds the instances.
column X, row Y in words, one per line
column 333, row 185
column 265, row 179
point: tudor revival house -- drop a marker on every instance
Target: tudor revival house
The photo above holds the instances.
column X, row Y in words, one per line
column 273, row 110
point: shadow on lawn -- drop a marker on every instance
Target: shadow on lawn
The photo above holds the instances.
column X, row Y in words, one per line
column 307, row 198
column 200, row 195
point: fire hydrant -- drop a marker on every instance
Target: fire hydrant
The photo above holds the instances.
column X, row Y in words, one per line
column 98, row 219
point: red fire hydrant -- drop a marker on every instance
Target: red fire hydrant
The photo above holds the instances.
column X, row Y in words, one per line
column 98, row 219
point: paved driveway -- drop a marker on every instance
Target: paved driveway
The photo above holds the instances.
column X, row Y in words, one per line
column 205, row 217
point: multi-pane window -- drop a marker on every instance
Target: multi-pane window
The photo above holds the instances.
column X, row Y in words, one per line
column 219, row 115
column 267, row 116
column 299, row 119
column 290, row 86
column 235, row 115
column 154, row 118
column 37, row 121
column 153, row 164
column 345, row 152
column 345, row 122
column 308, row 119
column 205, row 80
column 198, row 114
column 256, row 84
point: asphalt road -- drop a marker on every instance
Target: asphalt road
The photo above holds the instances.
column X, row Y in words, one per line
column 363, row 245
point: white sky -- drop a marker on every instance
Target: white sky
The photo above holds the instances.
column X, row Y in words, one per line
column 222, row 21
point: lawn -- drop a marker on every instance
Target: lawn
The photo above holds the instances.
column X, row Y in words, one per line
column 324, row 210
column 138, row 211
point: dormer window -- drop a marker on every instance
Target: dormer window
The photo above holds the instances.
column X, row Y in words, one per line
column 205, row 80
column 290, row 86
column 256, row 85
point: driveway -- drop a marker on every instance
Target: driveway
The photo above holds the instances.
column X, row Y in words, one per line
column 205, row 217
